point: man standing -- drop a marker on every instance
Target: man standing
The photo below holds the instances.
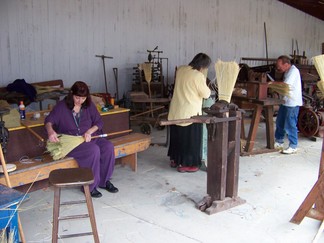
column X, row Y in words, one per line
column 287, row 117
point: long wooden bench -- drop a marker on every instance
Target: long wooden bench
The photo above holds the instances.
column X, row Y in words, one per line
column 126, row 149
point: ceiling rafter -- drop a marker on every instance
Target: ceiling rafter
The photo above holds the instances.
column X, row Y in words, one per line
column 312, row 7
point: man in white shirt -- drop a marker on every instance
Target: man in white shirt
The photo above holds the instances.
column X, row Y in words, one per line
column 287, row 118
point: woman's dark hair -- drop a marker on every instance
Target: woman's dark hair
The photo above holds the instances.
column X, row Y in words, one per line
column 81, row 89
column 201, row 60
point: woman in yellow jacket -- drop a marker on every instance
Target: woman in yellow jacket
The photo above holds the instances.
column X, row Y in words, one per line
column 189, row 90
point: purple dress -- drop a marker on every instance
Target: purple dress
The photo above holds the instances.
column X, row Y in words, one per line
column 98, row 154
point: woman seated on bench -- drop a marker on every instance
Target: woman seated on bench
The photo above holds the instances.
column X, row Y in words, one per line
column 77, row 115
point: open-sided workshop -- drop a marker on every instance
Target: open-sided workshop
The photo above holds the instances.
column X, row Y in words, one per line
column 161, row 121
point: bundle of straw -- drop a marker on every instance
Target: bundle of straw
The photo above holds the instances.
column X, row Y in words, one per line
column 67, row 143
column 280, row 87
column 319, row 65
column 226, row 75
column 147, row 68
column 40, row 89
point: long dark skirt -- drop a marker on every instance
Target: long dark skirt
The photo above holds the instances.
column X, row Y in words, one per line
column 185, row 144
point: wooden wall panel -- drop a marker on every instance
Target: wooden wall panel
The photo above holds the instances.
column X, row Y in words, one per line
column 58, row 39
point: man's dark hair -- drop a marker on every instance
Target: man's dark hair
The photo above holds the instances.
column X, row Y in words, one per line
column 201, row 60
column 284, row 59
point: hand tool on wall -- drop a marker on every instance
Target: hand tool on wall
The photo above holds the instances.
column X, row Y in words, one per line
column 103, row 57
column 116, row 81
column 266, row 42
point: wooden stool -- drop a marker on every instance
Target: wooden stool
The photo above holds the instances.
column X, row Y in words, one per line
column 72, row 177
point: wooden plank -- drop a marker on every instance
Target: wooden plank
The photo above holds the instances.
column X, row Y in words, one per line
column 234, row 132
column 126, row 149
column 269, row 126
column 130, row 160
column 309, row 201
column 217, row 160
column 253, row 128
column 319, row 204
column 25, row 176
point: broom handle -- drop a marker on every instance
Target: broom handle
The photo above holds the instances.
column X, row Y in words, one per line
column 4, row 168
column 34, row 133
column 110, row 134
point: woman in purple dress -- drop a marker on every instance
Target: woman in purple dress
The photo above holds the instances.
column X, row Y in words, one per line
column 77, row 115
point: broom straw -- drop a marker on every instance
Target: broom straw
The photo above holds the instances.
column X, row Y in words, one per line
column 67, row 143
column 319, row 65
column 281, row 88
column 147, row 68
column 226, row 75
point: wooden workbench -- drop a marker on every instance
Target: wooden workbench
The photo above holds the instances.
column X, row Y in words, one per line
column 257, row 105
column 23, row 143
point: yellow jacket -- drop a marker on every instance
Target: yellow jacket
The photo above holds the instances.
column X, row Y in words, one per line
column 190, row 88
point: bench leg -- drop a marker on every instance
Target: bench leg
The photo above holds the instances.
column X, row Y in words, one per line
column 130, row 160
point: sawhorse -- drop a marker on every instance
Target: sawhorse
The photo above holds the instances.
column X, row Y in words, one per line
column 315, row 197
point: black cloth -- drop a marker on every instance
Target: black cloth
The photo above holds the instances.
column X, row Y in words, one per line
column 20, row 86
column 185, row 144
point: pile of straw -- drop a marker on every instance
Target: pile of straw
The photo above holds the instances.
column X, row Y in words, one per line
column 319, row 65
column 226, row 75
column 280, row 87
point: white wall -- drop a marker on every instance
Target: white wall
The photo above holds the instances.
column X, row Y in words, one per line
column 58, row 39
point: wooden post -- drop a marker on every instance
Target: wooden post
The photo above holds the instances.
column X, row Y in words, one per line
column 217, row 155
column 223, row 164
column 234, row 131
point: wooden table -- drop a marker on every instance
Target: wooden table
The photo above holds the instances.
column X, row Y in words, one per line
column 257, row 105
column 23, row 142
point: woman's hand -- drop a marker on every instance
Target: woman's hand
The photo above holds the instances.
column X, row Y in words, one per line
column 87, row 137
column 52, row 137
column 87, row 134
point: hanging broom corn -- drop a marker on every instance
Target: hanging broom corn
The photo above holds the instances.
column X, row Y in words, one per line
column 319, row 65
column 147, row 68
column 226, row 75
column 280, row 87
column 67, row 143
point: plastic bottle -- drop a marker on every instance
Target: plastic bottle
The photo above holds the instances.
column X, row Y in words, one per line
column 22, row 110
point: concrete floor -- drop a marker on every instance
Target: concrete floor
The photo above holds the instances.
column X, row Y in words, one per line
column 157, row 204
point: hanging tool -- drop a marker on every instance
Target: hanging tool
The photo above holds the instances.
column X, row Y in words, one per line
column 104, row 68
column 116, row 81
column 297, row 48
column 266, row 42
column 150, row 57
